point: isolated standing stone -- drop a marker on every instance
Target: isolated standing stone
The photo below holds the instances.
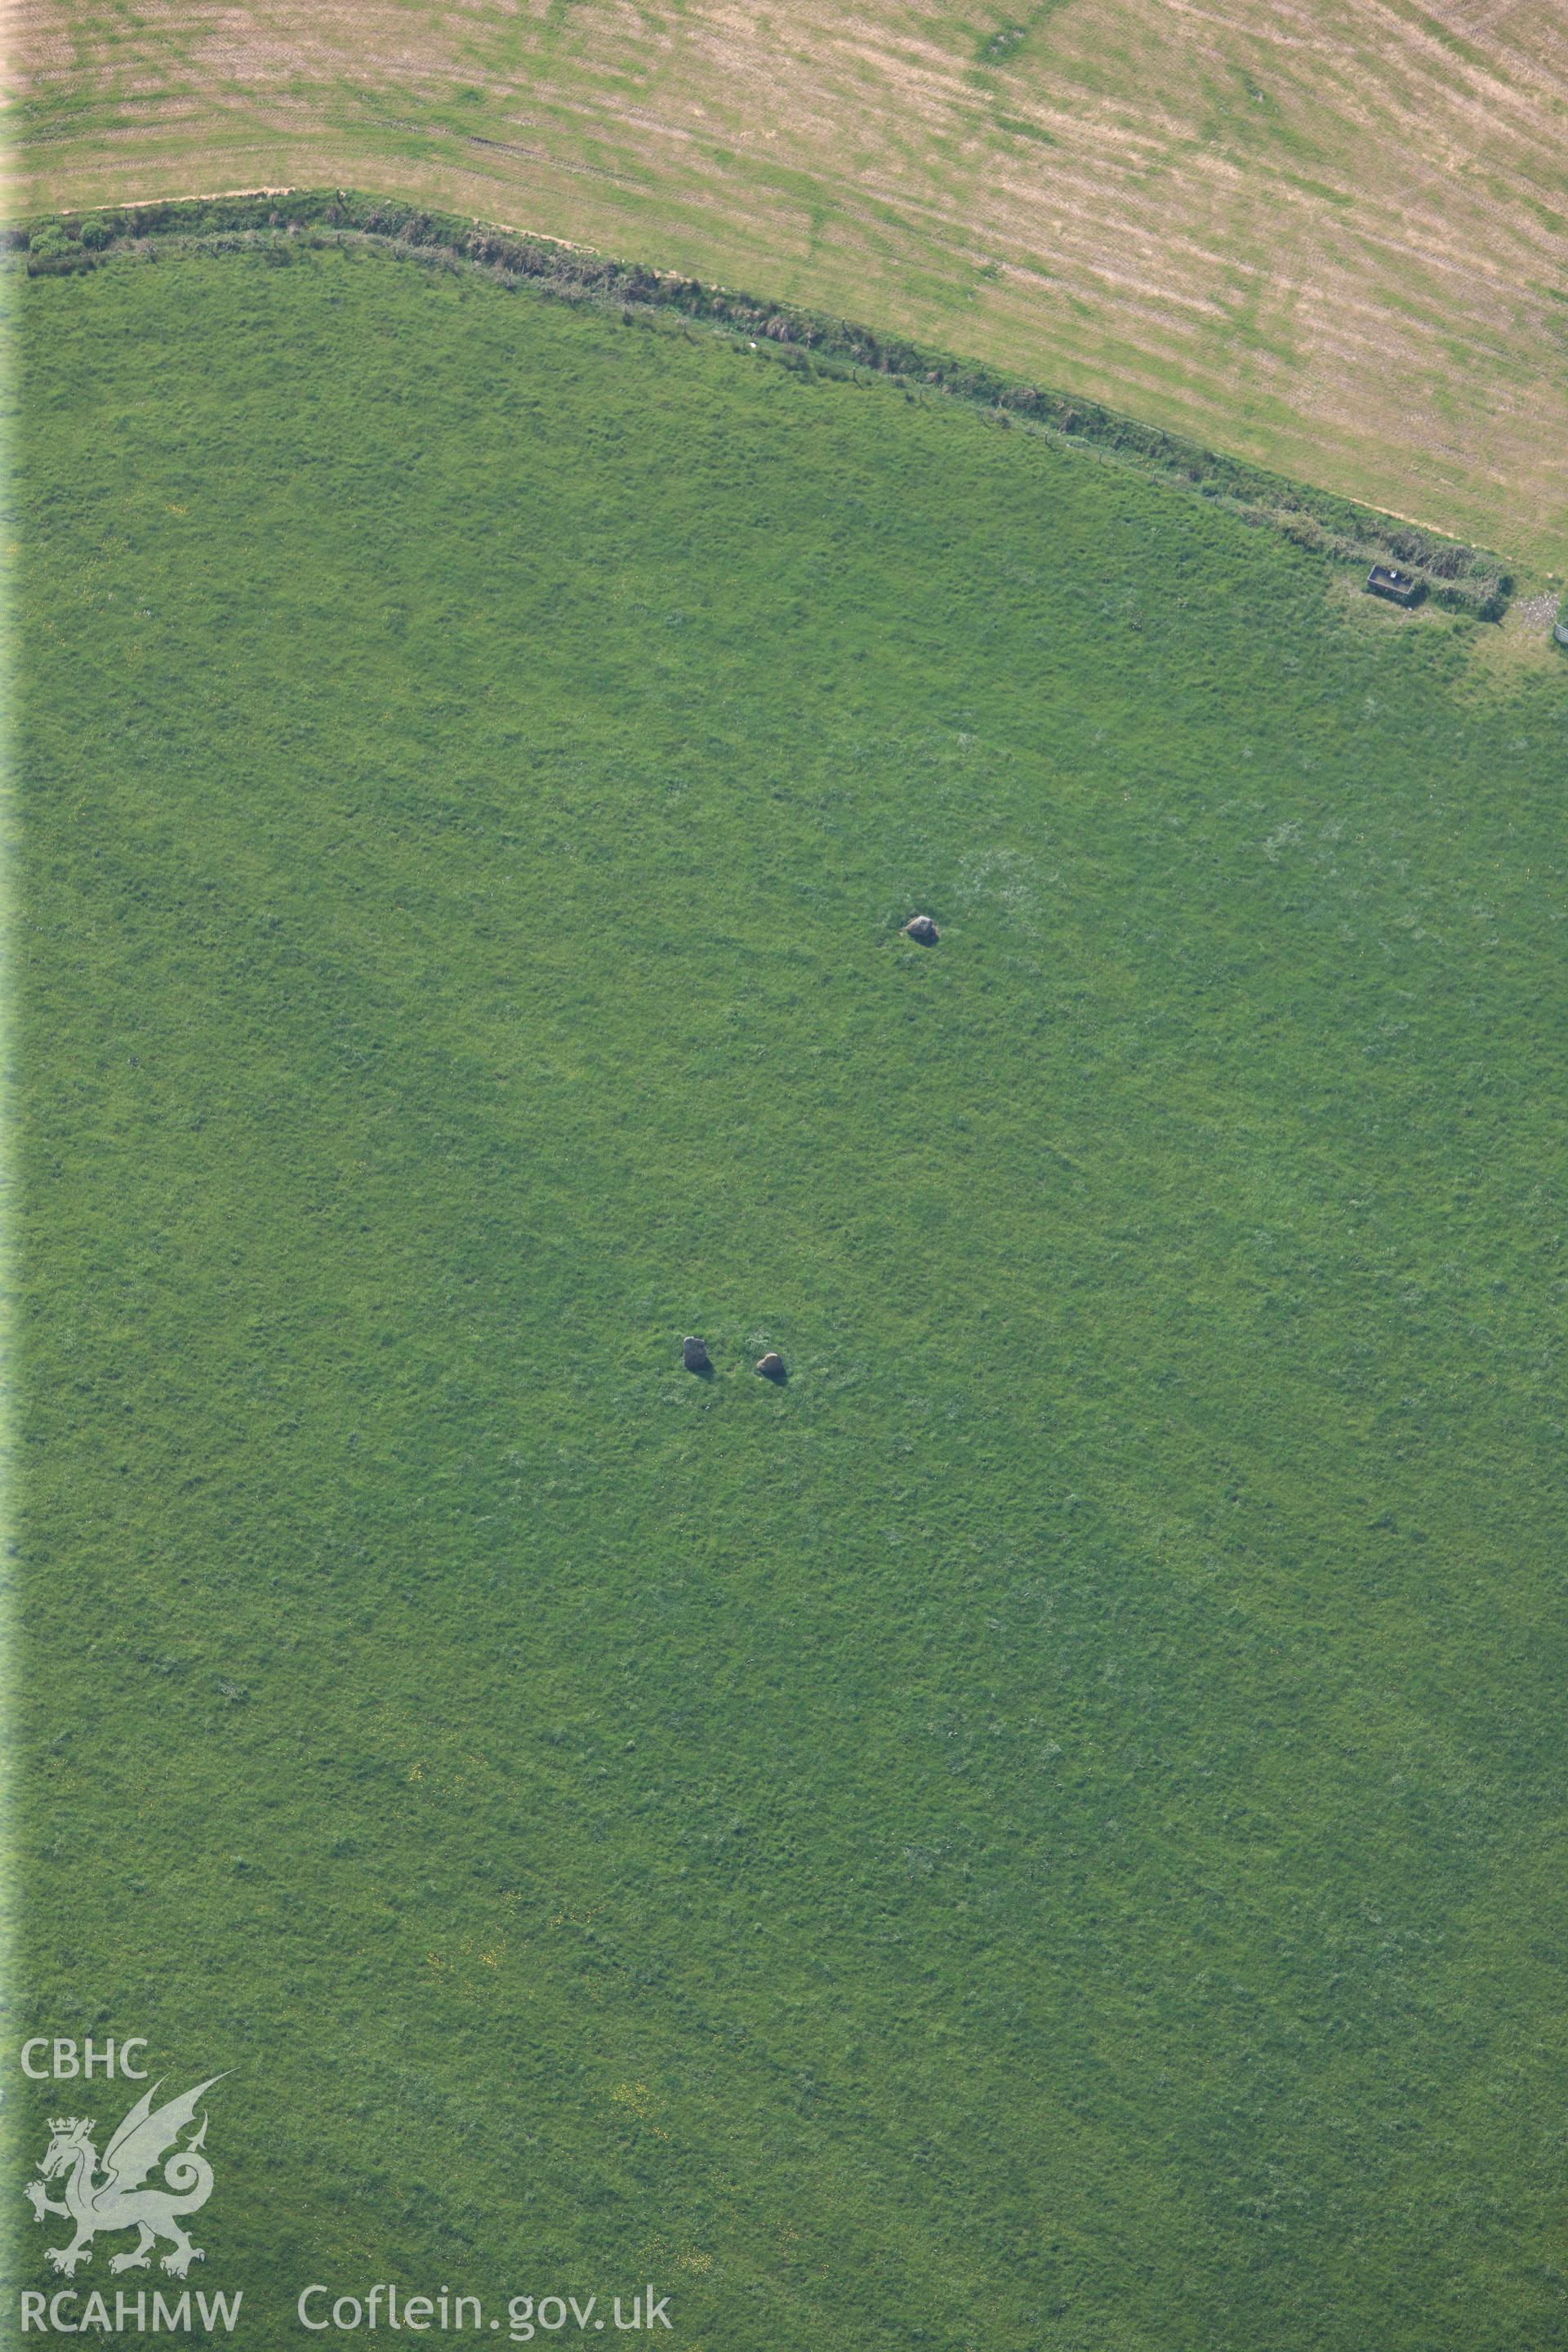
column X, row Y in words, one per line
column 772, row 1365
column 694, row 1356
column 921, row 929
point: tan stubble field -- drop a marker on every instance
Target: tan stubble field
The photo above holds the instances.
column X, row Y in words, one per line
column 1331, row 237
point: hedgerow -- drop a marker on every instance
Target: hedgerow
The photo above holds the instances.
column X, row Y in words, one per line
column 1465, row 578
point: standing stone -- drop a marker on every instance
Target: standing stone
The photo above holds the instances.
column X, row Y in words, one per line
column 921, row 929
column 694, row 1356
column 772, row 1365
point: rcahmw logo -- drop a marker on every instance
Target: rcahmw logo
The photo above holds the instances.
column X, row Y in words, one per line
column 115, row 2192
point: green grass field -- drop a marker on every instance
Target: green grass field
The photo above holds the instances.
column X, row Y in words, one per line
column 1042, row 1834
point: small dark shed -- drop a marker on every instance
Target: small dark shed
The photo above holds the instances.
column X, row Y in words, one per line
column 1399, row 587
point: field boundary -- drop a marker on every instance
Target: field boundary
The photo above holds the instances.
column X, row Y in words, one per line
column 1465, row 578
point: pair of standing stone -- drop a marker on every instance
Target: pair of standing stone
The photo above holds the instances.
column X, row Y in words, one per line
column 695, row 1357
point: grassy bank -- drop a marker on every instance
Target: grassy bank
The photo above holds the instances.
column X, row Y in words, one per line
column 1466, row 579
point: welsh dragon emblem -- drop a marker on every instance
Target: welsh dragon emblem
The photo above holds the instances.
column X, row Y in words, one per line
column 107, row 2193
